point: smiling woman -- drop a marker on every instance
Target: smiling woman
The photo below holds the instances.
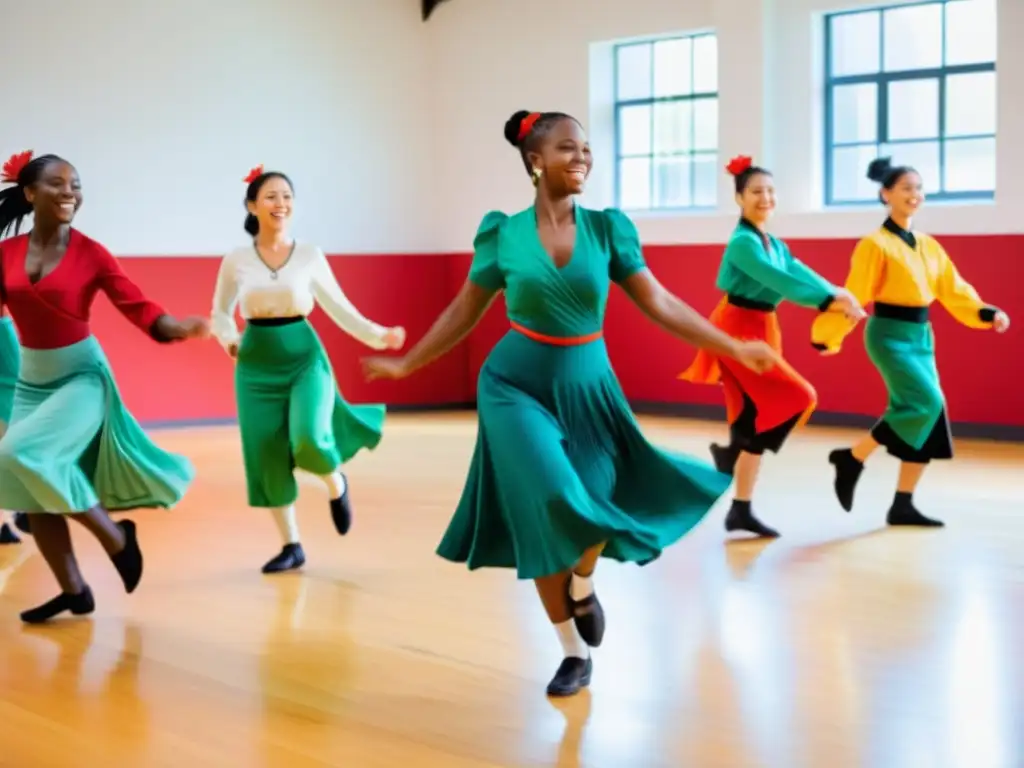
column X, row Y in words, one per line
column 561, row 474
column 756, row 274
column 290, row 412
column 72, row 449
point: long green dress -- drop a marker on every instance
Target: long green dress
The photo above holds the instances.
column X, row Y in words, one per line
column 10, row 362
column 560, row 463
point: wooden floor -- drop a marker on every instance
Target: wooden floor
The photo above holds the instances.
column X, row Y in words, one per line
column 842, row 645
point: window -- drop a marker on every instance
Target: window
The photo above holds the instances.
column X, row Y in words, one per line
column 916, row 82
column 666, row 123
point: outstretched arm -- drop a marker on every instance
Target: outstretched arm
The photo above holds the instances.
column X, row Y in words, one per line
column 675, row 315
column 146, row 315
column 450, row 328
column 225, row 301
column 336, row 304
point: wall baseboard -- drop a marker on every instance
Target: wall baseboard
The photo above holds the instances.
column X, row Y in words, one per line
column 995, row 432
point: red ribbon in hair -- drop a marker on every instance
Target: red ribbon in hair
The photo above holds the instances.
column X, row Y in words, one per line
column 14, row 166
column 527, row 125
column 254, row 174
column 739, row 164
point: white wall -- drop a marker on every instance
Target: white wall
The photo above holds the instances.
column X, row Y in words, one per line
column 165, row 105
column 392, row 128
column 493, row 57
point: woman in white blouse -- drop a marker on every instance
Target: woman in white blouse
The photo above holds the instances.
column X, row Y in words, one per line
column 290, row 412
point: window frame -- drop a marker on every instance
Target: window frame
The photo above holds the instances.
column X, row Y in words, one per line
column 619, row 104
column 882, row 79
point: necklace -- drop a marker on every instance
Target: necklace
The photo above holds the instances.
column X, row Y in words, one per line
column 274, row 270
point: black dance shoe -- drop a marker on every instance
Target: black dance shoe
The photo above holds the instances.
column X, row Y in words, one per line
column 341, row 511
column 290, row 558
column 79, row 605
column 588, row 616
column 8, row 536
column 572, row 676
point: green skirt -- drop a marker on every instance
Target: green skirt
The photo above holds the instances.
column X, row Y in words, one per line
column 10, row 364
column 560, row 465
column 71, row 444
column 915, row 425
column 290, row 412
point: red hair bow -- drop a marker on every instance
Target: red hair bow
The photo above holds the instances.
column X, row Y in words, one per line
column 14, row 166
column 739, row 164
column 527, row 125
column 254, row 174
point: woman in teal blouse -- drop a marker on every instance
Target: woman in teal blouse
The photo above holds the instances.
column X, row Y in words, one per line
column 561, row 473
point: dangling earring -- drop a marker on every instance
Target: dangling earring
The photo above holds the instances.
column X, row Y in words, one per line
column 537, row 173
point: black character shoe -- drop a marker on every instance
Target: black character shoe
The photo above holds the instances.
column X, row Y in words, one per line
column 128, row 561
column 848, row 471
column 725, row 458
column 79, row 605
column 573, row 675
column 341, row 511
column 741, row 518
column 8, row 536
column 588, row 616
column 290, row 558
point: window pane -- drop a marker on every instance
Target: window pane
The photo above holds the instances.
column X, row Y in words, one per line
column 970, row 165
column 923, row 156
column 634, row 72
column 914, row 109
column 672, row 182
column 913, row 37
column 855, row 39
column 673, row 127
column 673, row 73
column 849, row 173
column 635, row 130
column 705, row 64
column 705, row 124
column 635, row 183
column 971, row 104
column 855, row 113
column 705, row 181
column 970, row 32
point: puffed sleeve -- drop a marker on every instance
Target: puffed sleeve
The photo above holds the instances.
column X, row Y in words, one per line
column 958, row 296
column 485, row 270
column 627, row 255
column 867, row 271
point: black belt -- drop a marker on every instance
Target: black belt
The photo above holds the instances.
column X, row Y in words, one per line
column 271, row 322
column 743, row 303
column 900, row 312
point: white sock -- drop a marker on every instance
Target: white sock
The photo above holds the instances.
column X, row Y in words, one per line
column 287, row 525
column 581, row 587
column 335, row 484
column 572, row 643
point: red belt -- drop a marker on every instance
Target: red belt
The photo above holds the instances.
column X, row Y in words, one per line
column 558, row 341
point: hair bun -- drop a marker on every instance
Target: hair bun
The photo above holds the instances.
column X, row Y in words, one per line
column 512, row 126
column 879, row 168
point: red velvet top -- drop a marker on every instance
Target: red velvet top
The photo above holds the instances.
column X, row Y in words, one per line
column 54, row 312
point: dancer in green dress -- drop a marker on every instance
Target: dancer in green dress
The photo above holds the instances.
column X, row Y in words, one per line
column 10, row 362
column 290, row 413
column 71, row 449
column 561, row 474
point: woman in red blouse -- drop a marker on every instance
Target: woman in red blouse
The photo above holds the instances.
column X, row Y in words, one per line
column 71, row 449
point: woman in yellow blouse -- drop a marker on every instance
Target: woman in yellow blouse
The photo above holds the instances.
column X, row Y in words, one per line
column 902, row 272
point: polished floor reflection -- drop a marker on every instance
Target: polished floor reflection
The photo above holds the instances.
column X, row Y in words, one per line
column 842, row 645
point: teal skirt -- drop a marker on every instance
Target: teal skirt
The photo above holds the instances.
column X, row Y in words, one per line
column 71, row 444
column 561, row 465
column 290, row 412
column 915, row 425
column 10, row 364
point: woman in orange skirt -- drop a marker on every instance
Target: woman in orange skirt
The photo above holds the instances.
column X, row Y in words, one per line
column 757, row 273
